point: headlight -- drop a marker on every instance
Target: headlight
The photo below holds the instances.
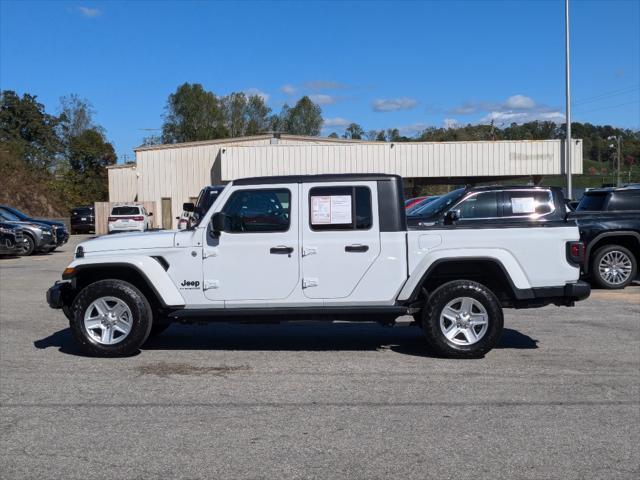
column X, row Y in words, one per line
column 5, row 230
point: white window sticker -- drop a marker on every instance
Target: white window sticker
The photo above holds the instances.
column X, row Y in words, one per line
column 320, row 210
column 523, row 205
column 331, row 209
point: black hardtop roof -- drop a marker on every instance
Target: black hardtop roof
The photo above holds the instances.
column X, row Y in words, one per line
column 604, row 190
column 511, row 187
column 334, row 177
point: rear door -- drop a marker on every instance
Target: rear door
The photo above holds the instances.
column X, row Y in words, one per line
column 340, row 237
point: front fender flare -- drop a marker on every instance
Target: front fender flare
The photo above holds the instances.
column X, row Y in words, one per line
column 149, row 269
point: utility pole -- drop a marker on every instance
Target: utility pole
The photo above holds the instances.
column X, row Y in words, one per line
column 568, row 99
column 619, row 154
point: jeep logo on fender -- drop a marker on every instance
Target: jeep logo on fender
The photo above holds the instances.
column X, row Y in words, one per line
column 190, row 284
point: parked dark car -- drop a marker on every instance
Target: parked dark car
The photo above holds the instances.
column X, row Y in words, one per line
column 478, row 206
column 59, row 229
column 609, row 222
column 11, row 239
column 207, row 196
column 83, row 219
column 38, row 237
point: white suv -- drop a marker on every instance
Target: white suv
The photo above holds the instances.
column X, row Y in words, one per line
column 129, row 218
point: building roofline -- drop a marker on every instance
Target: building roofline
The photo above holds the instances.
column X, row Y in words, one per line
column 286, row 136
column 121, row 165
column 218, row 141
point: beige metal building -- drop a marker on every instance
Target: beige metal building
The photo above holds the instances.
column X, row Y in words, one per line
column 170, row 175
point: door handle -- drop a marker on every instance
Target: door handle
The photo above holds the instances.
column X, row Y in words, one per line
column 281, row 250
column 356, row 248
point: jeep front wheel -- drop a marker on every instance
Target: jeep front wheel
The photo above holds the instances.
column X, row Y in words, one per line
column 111, row 318
column 462, row 319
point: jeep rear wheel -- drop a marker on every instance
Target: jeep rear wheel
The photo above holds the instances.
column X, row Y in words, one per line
column 111, row 318
column 462, row 319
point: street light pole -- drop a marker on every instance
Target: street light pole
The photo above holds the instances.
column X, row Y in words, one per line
column 619, row 153
column 568, row 99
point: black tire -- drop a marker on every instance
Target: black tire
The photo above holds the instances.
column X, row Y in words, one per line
column 597, row 258
column 140, row 310
column 436, row 303
column 29, row 245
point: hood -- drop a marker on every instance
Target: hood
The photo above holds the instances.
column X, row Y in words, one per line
column 130, row 241
column 49, row 222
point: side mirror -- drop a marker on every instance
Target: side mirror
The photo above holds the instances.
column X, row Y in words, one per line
column 217, row 223
column 150, row 214
column 188, row 207
column 451, row 217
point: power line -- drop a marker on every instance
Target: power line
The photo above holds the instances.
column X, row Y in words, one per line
column 603, row 96
column 607, row 107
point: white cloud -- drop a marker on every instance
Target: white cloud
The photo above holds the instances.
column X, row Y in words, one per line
column 254, row 91
column 393, row 105
column 323, row 85
column 323, row 99
column 521, row 102
column 336, row 122
column 467, row 108
column 288, row 89
column 89, row 12
column 450, row 123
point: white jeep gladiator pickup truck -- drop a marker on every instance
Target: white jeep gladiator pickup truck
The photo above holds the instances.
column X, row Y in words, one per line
column 331, row 247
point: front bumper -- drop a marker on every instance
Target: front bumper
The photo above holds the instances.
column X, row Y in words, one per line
column 58, row 294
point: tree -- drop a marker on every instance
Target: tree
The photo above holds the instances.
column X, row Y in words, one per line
column 76, row 115
column 193, row 114
column 305, row 118
column 28, row 131
column 380, row 136
column 333, row 135
column 235, row 108
column 89, row 154
column 354, row 132
column 393, row 135
column 257, row 115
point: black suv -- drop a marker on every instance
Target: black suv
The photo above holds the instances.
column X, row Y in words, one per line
column 477, row 206
column 11, row 239
column 609, row 221
column 83, row 219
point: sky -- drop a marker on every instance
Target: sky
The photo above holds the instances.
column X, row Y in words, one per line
column 408, row 65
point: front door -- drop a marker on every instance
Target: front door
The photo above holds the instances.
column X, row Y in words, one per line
column 167, row 219
column 256, row 257
column 340, row 237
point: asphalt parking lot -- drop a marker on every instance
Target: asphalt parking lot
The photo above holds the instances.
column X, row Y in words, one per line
column 559, row 398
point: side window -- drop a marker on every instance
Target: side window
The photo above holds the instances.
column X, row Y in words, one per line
column 258, row 211
column 480, row 205
column 524, row 203
column 340, row 208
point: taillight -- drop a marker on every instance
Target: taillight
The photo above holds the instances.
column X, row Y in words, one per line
column 575, row 253
column 112, row 219
column 138, row 219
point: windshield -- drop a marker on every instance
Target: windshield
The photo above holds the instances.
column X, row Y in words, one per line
column 125, row 211
column 82, row 211
column 437, row 206
column 6, row 215
column 15, row 212
column 592, row 202
column 420, row 204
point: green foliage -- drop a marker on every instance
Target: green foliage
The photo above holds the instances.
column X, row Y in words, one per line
column 354, row 132
column 193, row 114
column 305, row 118
column 51, row 163
column 28, row 131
